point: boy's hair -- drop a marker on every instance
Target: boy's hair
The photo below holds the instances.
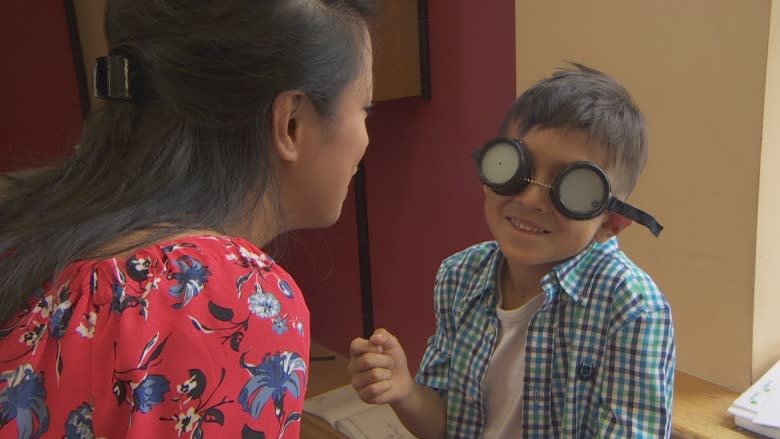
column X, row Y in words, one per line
column 582, row 98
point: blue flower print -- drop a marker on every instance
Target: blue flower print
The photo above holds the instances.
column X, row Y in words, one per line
column 31, row 337
column 60, row 319
column 138, row 269
column 191, row 418
column 285, row 288
column 191, row 278
column 262, row 261
column 149, row 392
column 24, row 400
column 264, row 305
column 79, row 423
column 122, row 297
column 276, row 375
column 118, row 298
column 279, row 324
column 44, row 306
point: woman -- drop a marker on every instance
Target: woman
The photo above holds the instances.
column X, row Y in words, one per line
column 135, row 296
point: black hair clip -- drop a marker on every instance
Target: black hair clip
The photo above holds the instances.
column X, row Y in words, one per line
column 111, row 78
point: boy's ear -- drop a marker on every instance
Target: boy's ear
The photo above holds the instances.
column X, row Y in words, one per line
column 286, row 117
column 613, row 224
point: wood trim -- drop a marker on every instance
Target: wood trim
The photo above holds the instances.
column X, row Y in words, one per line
column 395, row 37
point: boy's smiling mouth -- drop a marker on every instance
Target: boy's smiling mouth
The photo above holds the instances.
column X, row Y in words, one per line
column 524, row 226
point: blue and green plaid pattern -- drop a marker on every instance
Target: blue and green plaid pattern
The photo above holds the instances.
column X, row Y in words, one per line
column 600, row 352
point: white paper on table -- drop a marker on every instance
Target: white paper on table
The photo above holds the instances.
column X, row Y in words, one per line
column 769, row 413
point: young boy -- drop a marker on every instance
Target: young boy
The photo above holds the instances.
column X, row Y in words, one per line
column 550, row 330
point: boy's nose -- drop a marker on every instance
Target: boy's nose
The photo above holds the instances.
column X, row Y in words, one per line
column 538, row 183
column 535, row 195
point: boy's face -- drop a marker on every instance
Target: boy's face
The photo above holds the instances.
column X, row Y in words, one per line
column 529, row 229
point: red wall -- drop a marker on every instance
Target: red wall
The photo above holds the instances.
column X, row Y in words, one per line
column 424, row 198
column 40, row 114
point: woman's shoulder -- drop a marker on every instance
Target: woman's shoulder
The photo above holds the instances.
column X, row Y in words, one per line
column 186, row 251
column 216, row 249
column 189, row 264
column 176, row 270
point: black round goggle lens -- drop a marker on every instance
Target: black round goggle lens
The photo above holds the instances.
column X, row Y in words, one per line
column 503, row 165
column 581, row 191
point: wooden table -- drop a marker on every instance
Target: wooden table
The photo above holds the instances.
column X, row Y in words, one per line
column 327, row 371
column 699, row 409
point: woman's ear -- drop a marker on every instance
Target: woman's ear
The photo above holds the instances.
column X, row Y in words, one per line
column 286, row 112
column 612, row 226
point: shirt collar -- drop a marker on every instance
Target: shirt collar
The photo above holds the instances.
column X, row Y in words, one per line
column 485, row 282
column 571, row 275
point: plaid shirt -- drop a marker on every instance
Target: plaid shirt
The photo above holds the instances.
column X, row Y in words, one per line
column 600, row 352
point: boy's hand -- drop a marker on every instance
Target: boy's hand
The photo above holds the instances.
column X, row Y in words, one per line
column 378, row 368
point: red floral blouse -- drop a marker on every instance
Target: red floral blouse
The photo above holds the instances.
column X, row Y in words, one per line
column 199, row 337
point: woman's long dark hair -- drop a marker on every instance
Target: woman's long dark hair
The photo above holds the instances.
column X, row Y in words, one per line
column 192, row 147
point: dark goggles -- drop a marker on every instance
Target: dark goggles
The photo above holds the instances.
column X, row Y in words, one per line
column 581, row 191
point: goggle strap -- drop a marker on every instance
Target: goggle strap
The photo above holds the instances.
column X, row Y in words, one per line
column 636, row 215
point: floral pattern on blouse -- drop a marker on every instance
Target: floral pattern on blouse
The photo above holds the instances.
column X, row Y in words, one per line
column 198, row 337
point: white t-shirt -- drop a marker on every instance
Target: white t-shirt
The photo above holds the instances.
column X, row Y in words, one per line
column 504, row 378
